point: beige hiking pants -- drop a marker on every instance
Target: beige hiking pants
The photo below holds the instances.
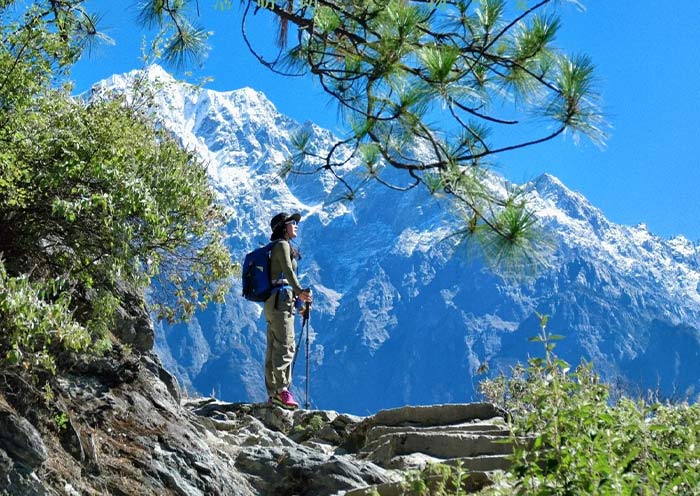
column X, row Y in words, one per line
column 280, row 340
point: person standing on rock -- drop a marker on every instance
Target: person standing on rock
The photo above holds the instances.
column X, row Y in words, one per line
column 280, row 309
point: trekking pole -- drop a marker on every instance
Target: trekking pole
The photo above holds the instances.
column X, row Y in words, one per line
column 301, row 335
column 296, row 350
column 307, row 317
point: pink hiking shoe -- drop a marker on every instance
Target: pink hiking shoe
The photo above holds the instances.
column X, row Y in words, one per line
column 285, row 399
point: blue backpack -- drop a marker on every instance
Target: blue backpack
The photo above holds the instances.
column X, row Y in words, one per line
column 257, row 283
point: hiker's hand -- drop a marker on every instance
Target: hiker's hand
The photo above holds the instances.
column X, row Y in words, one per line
column 305, row 296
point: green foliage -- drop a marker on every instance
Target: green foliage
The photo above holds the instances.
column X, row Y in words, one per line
column 583, row 443
column 326, row 19
column 61, row 421
column 33, row 327
column 108, row 197
column 189, row 42
column 48, row 395
column 310, row 427
column 437, row 480
column 96, row 200
column 315, row 423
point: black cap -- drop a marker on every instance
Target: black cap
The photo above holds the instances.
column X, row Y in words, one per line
column 283, row 217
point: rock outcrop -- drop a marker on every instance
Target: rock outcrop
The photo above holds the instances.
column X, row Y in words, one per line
column 324, row 452
column 121, row 428
column 21, row 452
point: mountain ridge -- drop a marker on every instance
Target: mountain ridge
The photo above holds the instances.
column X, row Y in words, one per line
column 396, row 297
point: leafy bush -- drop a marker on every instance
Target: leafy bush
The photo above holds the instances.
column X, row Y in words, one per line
column 32, row 326
column 95, row 198
column 101, row 196
column 437, row 480
column 583, row 443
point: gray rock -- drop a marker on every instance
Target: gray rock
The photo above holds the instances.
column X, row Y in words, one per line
column 141, row 440
column 439, row 445
column 71, row 442
column 329, row 434
column 153, row 363
column 20, row 440
column 18, row 480
column 270, row 416
column 6, row 466
column 305, row 456
column 133, row 323
column 130, row 433
column 436, row 414
column 302, row 470
column 486, row 427
column 483, row 463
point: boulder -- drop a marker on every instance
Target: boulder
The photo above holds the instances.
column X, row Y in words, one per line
column 20, row 441
column 133, row 323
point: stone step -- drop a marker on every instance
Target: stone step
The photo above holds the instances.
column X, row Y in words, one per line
column 419, row 461
column 433, row 415
column 476, row 482
column 483, row 463
column 488, row 427
column 439, row 445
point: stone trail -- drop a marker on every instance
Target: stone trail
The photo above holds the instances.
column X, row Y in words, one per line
column 129, row 431
column 326, row 453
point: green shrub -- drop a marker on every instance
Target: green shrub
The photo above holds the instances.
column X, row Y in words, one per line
column 437, row 479
column 96, row 200
column 583, row 443
column 32, row 327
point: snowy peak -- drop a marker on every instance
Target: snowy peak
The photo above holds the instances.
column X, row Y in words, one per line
column 154, row 75
column 252, row 101
column 547, row 182
column 554, row 194
column 684, row 247
column 181, row 100
column 244, row 138
column 229, row 130
column 586, row 225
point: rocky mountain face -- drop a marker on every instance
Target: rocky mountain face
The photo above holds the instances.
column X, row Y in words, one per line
column 402, row 315
column 117, row 424
column 121, row 427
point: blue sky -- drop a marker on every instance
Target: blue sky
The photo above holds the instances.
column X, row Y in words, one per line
column 648, row 77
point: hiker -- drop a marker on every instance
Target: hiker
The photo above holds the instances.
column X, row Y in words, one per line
column 280, row 309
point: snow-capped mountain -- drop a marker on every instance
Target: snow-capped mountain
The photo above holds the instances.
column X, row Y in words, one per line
column 401, row 315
